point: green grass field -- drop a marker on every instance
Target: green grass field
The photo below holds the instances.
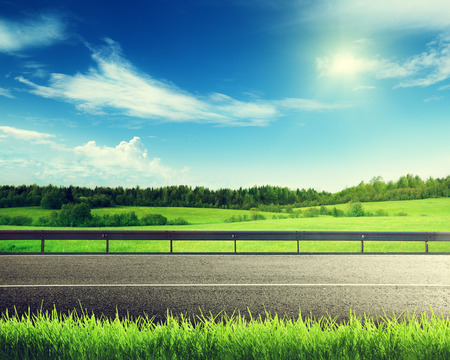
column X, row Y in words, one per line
column 428, row 215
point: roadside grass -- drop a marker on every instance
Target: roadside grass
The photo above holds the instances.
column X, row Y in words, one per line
column 163, row 246
column 56, row 336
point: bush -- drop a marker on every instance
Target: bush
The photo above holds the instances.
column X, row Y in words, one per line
column 311, row 212
column 401, row 213
column 122, row 219
column 5, row 220
column 381, row 212
column 337, row 212
column 257, row 216
column 153, row 219
column 355, row 210
column 289, row 209
column 21, row 221
column 16, row 220
column 178, row 221
column 131, row 219
column 44, row 221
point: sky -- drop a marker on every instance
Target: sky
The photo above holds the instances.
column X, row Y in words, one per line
column 316, row 94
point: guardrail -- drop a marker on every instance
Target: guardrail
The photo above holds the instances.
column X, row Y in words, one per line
column 234, row 236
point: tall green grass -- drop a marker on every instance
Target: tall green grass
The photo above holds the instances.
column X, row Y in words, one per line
column 56, row 336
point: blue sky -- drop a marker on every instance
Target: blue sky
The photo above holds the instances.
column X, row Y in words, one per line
column 234, row 93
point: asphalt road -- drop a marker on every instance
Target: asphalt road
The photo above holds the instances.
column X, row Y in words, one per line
column 150, row 284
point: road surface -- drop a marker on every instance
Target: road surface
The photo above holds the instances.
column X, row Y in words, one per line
column 316, row 285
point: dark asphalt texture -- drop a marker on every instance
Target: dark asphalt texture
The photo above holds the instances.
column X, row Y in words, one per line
column 316, row 285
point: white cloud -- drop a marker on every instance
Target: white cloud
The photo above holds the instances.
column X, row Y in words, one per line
column 7, row 93
column 308, row 105
column 432, row 66
column 385, row 14
column 428, row 68
column 26, row 135
column 433, row 98
column 42, row 31
column 114, row 85
column 363, row 87
column 130, row 157
column 29, row 155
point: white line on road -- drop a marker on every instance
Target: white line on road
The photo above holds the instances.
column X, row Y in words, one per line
column 219, row 285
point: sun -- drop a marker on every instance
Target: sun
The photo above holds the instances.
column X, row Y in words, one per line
column 344, row 64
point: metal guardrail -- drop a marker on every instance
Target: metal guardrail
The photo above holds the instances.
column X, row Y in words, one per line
column 234, row 236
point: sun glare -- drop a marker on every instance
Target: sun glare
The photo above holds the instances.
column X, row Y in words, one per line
column 345, row 64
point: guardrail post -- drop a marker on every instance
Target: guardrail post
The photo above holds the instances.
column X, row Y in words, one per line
column 362, row 243
column 234, row 237
column 42, row 244
column 426, row 246
column 105, row 236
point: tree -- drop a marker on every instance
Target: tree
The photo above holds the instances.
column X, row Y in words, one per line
column 52, row 199
column 356, row 209
column 81, row 213
column 74, row 215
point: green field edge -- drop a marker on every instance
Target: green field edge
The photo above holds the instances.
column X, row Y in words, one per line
column 242, row 247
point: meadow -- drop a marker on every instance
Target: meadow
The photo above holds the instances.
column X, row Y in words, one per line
column 427, row 215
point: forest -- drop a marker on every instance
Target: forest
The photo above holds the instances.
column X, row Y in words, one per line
column 264, row 198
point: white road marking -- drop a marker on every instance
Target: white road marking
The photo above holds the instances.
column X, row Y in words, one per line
column 219, row 285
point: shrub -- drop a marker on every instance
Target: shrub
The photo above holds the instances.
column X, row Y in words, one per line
column 16, row 220
column 381, row 212
column 289, row 209
column 323, row 210
column 257, row 216
column 5, row 220
column 153, row 219
column 401, row 213
column 44, row 221
column 178, row 221
column 355, row 209
column 122, row 219
column 131, row 219
column 337, row 212
column 230, row 220
column 21, row 221
column 311, row 212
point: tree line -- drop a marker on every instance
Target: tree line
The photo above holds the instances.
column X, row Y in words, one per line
column 264, row 198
